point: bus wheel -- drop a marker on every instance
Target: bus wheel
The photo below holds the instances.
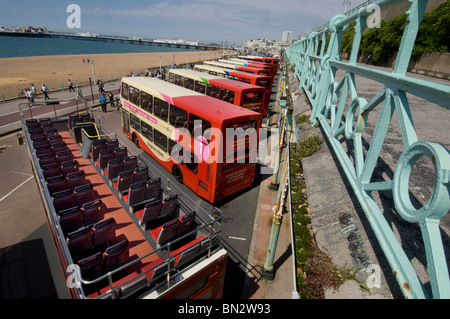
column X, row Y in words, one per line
column 178, row 174
column 135, row 140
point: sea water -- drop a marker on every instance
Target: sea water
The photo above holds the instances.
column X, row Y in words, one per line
column 11, row 46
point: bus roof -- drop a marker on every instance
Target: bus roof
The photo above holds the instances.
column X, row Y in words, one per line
column 216, row 109
column 209, row 78
column 228, row 71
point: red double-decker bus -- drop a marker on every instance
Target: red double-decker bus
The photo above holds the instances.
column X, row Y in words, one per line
column 207, row 144
column 240, row 68
column 256, row 58
column 245, row 95
column 246, row 77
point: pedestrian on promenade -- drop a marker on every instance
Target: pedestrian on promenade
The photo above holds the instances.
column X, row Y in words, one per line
column 79, row 93
column 70, row 86
column 33, row 88
column 44, row 89
column 100, row 86
column 111, row 99
column 31, row 97
column 25, row 92
column 103, row 102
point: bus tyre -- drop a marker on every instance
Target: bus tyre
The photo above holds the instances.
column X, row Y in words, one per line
column 178, row 174
column 135, row 140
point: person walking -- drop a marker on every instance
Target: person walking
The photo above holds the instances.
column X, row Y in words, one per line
column 111, row 99
column 100, row 86
column 70, row 86
column 31, row 97
column 79, row 93
column 44, row 89
column 103, row 102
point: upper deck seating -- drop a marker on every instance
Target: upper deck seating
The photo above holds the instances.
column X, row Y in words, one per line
column 84, row 194
column 130, row 163
column 113, row 168
column 97, row 146
column 153, row 189
column 54, row 139
column 167, row 232
column 104, row 231
column 56, row 184
column 93, row 211
column 176, row 228
column 167, row 208
column 50, row 170
column 69, row 167
column 92, row 267
column 112, row 144
column 59, row 147
column 63, row 200
column 140, row 174
column 75, row 179
column 64, row 156
column 39, row 141
column 70, row 219
column 45, row 159
column 124, row 180
column 117, row 255
column 136, row 194
column 120, row 152
column 80, row 240
column 43, row 149
column 104, row 157
column 49, row 131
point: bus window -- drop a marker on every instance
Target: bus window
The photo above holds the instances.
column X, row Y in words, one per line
column 194, row 122
column 252, row 97
column 161, row 109
column 178, row 80
column 160, row 140
column 263, row 83
column 125, row 91
column 189, row 84
column 192, row 163
column 213, row 91
column 146, row 102
column 172, row 78
column 134, row 95
column 135, row 122
column 147, row 131
column 200, row 87
column 227, row 95
column 177, row 117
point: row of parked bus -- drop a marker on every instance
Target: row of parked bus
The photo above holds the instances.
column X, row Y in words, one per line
column 202, row 125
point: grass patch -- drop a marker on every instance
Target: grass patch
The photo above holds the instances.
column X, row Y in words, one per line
column 315, row 270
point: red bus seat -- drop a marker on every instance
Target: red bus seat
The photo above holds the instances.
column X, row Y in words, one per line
column 150, row 212
column 187, row 224
column 124, row 180
column 114, row 167
column 136, row 194
column 56, row 184
column 63, row 200
column 96, row 147
column 170, row 206
column 167, row 232
column 153, row 189
column 140, row 174
column 64, row 156
column 104, row 231
column 157, row 273
column 80, row 240
column 93, row 212
column 69, row 167
column 92, row 267
column 45, row 159
column 112, row 144
column 70, row 219
column 117, row 255
column 54, row 139
column 39, row 141
column 50, row 170
column 43, row 149
column 59, row 147
column 104, row 156
column 84, row 194
column 130, row 163
column 120, row 152
column 75, row 179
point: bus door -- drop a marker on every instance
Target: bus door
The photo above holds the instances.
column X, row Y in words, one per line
column 125, row 122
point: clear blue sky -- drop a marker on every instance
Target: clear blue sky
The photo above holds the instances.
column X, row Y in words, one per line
column 203, row 20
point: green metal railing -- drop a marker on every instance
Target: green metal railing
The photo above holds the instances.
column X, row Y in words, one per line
column 344, row 114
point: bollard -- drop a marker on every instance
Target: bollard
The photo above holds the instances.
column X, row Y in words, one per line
column 3, row 98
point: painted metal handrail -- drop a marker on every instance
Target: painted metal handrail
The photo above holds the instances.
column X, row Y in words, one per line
column 343, row 114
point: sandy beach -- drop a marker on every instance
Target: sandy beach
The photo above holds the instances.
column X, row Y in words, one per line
column 19, row 73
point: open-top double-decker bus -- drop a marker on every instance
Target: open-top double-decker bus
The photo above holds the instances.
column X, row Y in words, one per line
column 121, row 230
